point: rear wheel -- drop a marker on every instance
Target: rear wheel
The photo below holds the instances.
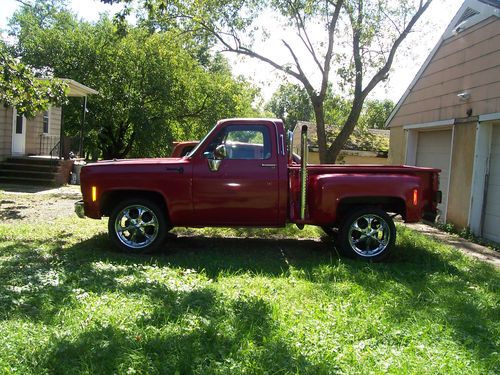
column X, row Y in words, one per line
column 368, row 234
column 137, row 226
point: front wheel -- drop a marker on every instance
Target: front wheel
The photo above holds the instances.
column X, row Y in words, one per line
column 368, row 234
column 137, row 226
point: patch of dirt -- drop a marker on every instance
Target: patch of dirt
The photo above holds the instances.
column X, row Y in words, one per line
column 34, row 204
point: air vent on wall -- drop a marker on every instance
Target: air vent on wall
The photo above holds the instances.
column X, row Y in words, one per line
column 468, row 13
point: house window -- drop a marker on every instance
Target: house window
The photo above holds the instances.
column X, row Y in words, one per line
column 46, row 122
column 19, row 124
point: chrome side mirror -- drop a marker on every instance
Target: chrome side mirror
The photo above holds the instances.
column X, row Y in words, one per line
column 220, row 152
column 214, row 164
column 215, row 160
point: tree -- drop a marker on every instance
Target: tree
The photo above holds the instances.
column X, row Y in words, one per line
column 361, row 38
column 20, row 88
column 375, row 113
column 290, row 103
column 152, row 90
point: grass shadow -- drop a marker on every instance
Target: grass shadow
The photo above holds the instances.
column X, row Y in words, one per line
column 191, row 326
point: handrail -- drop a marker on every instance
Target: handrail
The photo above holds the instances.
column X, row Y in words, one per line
column 56, row 147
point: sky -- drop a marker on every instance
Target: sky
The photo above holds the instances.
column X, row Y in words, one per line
column 418, row 45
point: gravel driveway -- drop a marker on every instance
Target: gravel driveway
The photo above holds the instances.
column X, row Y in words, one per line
column 33, row 204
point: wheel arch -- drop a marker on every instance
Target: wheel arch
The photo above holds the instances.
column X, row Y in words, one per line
column 388, row 204
column 110, row 199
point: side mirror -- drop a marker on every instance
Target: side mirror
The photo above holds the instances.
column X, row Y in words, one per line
column 220, row 152
column 215, row 158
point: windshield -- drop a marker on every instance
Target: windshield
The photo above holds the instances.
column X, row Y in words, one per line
column 199, row 144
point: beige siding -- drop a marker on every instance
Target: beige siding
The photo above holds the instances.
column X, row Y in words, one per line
column 397, row 146
column 470, row 62
column 33, row 131
column 38, row 143
column 461, row 166
column 5, row 132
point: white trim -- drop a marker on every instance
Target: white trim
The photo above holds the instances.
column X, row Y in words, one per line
column 433, row 124
column 49, row 115
column 445, row 215
column 489, row 117
column 411, row 146
column 479, row 172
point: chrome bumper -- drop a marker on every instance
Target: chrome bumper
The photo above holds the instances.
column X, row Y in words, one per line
column 79, row 210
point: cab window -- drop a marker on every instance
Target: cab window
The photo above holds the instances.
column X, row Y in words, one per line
column 243, row 142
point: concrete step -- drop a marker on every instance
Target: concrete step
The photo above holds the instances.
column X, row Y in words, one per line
column 21, row 173
column 34, row 161
column 28, row 181
column 35, row 171
column 29, row 167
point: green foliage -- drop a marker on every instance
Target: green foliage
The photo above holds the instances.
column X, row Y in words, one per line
column 20, row 88
column 152, row 89
column 224, row 301
column 375, row 113
column 290, row 103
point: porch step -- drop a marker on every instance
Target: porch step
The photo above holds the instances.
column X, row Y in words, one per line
column 35, row 171
column 28, row 181
column 43, row 174
column 34, row 161
column 28, row 167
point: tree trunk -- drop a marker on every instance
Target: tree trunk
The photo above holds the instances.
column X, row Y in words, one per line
column 339, row 142
column 319, row 115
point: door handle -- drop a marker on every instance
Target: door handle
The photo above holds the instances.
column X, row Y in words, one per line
column 265, row 165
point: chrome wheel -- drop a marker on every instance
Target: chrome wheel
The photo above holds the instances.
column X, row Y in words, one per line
column 136, row 226
column 369, row 235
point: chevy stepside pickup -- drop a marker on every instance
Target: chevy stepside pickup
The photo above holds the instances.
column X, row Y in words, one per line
column 241, row 175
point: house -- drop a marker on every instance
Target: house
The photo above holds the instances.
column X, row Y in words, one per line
column 449, row 118
column 22, row 137
column 363, row 147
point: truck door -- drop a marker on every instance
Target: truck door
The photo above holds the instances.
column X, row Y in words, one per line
column 244, row 189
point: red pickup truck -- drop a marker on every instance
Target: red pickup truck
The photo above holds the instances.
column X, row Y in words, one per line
column 241, row 175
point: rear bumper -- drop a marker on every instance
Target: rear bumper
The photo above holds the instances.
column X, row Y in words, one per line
column 79, row 209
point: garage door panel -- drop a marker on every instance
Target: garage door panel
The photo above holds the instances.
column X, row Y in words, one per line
column 491, row 230
column 434, row 150
column 491, row 227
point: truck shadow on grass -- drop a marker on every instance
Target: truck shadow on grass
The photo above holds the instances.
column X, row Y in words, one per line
column 171, row 312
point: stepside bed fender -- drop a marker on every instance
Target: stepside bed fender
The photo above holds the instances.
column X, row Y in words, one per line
column 333, row 195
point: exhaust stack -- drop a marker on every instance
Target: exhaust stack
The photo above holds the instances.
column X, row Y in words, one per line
column 303, row 171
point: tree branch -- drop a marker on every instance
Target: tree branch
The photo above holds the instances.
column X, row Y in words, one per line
column 329, row 53
column 384, row 71
column 301, row 28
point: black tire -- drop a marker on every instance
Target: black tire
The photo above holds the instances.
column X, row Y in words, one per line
column 138, row 225
column 368, row 234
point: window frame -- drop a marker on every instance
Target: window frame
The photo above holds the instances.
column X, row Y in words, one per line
column 46, row 131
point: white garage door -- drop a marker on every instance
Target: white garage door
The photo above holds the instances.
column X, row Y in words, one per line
column 491, row 228
column 434, row 150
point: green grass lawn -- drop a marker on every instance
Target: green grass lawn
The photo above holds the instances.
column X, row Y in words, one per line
column 218, row 302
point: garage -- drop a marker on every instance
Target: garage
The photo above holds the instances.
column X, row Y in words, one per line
column 434, row 150
column 491, row 226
